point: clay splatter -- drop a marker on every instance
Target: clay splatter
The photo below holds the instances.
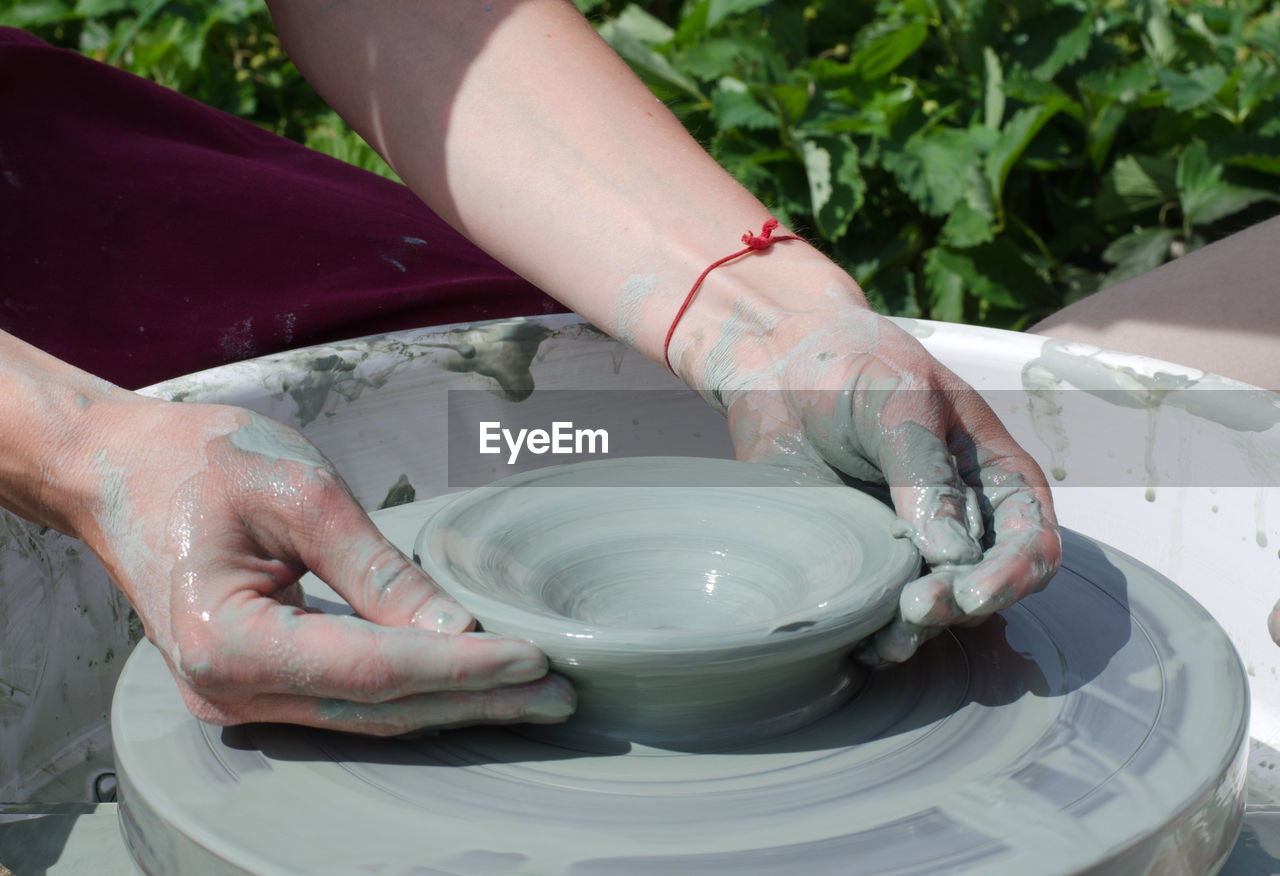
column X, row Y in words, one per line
column 401, row 493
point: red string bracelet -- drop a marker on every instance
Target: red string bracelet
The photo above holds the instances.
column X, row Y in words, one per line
column 763, row 240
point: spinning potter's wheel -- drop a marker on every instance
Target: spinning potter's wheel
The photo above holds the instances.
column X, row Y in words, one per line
column 1098, row 726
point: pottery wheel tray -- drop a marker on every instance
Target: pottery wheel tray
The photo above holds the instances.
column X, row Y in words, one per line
column 1099, row 726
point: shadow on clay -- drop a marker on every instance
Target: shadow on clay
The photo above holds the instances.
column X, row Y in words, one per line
column 1011, row 656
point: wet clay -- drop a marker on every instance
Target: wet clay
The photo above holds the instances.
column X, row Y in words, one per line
column 1141, row 385
column 693, row 602
column 1097, row 726
column 65, row 631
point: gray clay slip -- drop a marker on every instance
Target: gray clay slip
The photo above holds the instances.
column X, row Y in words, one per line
column 1098, row 726
column 693, row 602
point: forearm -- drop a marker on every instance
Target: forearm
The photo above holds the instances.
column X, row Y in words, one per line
column 515, row 122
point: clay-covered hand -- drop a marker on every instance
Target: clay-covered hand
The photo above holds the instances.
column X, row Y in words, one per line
column 207, row 516
column 840, row 389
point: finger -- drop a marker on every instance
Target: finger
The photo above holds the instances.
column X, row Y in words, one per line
column 929, row 494
column 548, row 701
column 381, row 584
column 1014, row 567
column 929, row 601
column 898, row 435
column 262, row 646
column 988, row 456
column 894, row 643
column 1273, row 624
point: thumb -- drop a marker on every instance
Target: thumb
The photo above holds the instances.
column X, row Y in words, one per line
column 942, row 512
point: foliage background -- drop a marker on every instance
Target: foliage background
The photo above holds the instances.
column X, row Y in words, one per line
column 971, row 160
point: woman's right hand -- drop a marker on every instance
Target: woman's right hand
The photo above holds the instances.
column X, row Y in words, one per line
column 206, row 517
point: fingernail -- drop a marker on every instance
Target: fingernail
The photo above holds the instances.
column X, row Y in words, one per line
column 929, row 601
column 973, row 601
column 443, row 615
column 521, row 671
column 518, row 661
column 900, row 640
column 945, row 540
column 556, row 699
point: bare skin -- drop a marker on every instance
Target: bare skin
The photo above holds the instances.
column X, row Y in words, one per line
column 579, row 179
column 850, row 393
column 206, row 517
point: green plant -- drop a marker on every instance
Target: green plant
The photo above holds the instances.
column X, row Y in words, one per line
column 979, row 160
column 976, row 160
column 224, row 53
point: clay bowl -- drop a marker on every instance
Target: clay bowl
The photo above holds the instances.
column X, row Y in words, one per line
column 693, row 602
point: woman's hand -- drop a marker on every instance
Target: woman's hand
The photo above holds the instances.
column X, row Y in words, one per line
column 592, row 189
column 837, row 390
column 207, row 516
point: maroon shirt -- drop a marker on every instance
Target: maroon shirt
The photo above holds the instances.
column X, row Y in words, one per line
column 144, row 235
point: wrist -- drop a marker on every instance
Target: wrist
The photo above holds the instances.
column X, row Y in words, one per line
column 750, row 313
column 57, row 419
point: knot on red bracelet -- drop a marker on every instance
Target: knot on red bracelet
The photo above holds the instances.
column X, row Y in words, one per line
column 754, row 242
column 765, row 238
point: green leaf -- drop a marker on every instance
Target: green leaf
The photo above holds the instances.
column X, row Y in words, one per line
column 992, row 90
column 648, row 63
column 792, row 101
column 1137, row 253
column 34, row 13
column 693, row 25
column 712, row 58
column 748, row 159
column 734, row 106
column 931, row 168
column 997, row 273
column 967, row 227
column 1160, row 40
column 1068, row 48
column 1259, row 84
column 1102, row 133
column 719, row 10
column 1053, row 42
column 1020, row 86
column 972, row 221
column 1190, row 90
column 882, row 56
column 97, row 8
column 946, row 288
column 1136, row 183
column 1123, row 84
column 1206, row 197
column 643, row 26
column 1264, row 32
column 836, row 187
column 1262, row 162
column 1015, row 136
column 332, row 137
column 894, row 293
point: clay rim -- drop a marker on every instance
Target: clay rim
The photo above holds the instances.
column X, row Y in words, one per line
column 853, row 613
